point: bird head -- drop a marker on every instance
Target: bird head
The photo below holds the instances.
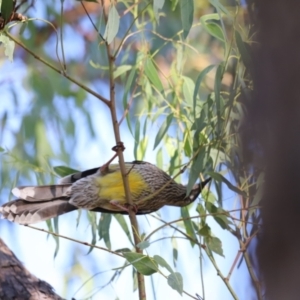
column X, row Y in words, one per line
column 194, row 193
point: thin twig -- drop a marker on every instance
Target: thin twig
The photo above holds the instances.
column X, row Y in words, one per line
column 74, row 240
column 61, row 72
column 131, row 212
column 61, row 36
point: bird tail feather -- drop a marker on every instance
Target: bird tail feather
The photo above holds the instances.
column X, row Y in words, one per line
column 43, row 192
column 24, row 212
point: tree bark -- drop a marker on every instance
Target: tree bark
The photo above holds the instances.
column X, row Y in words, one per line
column 274, row 127
column 17, row 283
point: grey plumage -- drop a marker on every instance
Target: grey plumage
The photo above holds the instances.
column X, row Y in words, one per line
column 99, row 192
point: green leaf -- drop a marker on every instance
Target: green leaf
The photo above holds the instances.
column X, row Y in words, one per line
column 2, row 149
column 218, row 156
column 187, row 16
column 152, row 74
column 175, row 281
column 163, row 263
column 174, row 4
column 63, row 171
column 103, row 229
column 175, row 250
column 143, row 245
column 219, row 177
column 121, row 70
column 187, row 145
column 188, row 224
column 92, row 219
column 217, row 90
column 136, row 138
column 259, row 192
column 157, row 5
column 142, row 148
column 218, row 214
column 144, row 264
column 205, row 230
column 127, row 88
column 163, row 129
column 196, row 169
column 7, row 7
column 188, row 89
column 208, row 23
column 199, row 80
column 244, row 49
column 215, row 30
column 9, row 46
column 123, row 224
column 112, row 26
column 201, row 211
column 159, row 158
column 215, row 245
column 200, row 123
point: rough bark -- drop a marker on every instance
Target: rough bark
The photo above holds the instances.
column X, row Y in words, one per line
column 17, row 283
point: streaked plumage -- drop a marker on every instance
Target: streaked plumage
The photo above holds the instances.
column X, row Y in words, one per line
column 98, row 191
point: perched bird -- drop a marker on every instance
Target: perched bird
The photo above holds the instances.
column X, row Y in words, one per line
column 99, row 190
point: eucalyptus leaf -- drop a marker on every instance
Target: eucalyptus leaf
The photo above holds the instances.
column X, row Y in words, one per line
column 175, row 281
column 144, row 264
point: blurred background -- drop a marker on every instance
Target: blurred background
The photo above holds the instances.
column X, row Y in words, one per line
column 184, row 90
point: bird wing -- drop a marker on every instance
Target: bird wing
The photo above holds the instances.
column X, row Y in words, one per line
column 111, row 168
column 76, row 176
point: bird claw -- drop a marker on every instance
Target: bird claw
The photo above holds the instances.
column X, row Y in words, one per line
column 125, row 207
column 105, row 168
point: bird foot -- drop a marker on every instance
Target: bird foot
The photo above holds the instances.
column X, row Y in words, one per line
column 105, row 168
column 125, row 207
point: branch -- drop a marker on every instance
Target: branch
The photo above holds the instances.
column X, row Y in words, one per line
column 61, row 72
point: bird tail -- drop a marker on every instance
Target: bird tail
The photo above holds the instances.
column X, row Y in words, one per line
column 42, row 192
column 37, row 203
column 24, row 212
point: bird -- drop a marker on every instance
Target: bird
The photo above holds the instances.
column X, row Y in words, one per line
column 100, row 190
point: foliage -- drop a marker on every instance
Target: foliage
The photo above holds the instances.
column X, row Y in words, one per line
column 180, row 73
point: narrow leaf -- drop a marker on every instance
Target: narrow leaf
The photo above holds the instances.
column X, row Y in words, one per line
column 196, row 169
column 123, row 224
column 188, row 224
column 199, row 80
column 112, row 26
column 157, row 5
column 218, row 214
column 163, row 263
column 187, row 16
column 7, row 7
column 121, row 70
column 244, row 49
column 145, row 265
column 219, row 177
column 136, row 138
column 63, row 171
column 103, row 229
column 163, row 129
column 9, row 46
column 152, row 74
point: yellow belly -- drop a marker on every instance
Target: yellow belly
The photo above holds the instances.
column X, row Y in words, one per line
column 111, row 186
